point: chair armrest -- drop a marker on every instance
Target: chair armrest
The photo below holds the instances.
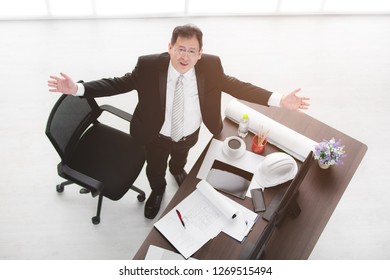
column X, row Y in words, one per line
column 81, row 179
column 117, row 112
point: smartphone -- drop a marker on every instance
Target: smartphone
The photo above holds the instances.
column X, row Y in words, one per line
column 258, row 200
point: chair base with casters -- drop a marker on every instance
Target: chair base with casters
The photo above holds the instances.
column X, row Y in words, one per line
column 96, row 219
column 101, row 159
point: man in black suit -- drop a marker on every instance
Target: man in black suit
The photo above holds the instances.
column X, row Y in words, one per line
column 154, row 78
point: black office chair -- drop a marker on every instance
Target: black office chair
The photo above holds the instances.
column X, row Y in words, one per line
column 103, row 160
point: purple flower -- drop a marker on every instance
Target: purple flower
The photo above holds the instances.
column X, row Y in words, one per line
column 329, row 152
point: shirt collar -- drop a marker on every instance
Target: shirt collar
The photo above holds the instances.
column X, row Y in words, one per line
column 174, row 74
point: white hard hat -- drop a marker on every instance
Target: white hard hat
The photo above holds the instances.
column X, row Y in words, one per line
column 275, row 169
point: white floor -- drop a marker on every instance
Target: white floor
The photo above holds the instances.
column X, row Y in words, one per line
column 342, row 63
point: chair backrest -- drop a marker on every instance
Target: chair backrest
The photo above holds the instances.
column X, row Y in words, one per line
column 68, row 120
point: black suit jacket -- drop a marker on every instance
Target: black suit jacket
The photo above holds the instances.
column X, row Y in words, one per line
column 149, row 78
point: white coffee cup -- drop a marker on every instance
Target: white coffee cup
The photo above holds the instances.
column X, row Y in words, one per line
column 234, row 147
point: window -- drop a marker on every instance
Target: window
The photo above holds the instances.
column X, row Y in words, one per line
column 47, row 9
column 68, row 8
column 231, row 6
column 134, row 8
column 11, row 9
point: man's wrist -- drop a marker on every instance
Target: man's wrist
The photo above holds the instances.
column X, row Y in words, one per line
column 80, row 89
column 275, row 99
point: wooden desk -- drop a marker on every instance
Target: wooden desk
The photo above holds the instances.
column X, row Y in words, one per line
column 319, row 195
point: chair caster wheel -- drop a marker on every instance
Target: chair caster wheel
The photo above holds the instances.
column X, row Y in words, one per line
column 141, row 197
column 96, row 220
column 60, row 188
column 84, row 191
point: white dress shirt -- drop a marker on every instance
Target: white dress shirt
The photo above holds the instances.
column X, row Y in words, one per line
column 192, row 113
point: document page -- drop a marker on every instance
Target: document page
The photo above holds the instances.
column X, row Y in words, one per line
column 202, row 222
column 157, row 253
column 242, row 224
column 217, row 199
column 203, row 215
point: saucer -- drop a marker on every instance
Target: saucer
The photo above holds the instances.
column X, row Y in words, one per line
column 234, row 147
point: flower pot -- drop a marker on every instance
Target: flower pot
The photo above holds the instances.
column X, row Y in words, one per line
column 256, row 147
column 323, row 166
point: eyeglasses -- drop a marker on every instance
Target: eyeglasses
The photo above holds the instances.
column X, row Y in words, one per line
column 182, row 51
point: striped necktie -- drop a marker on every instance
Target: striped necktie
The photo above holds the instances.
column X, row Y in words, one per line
column 178, row 111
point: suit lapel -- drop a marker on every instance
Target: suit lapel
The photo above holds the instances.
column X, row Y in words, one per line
column 163, row 87
column 163, row 76
column 200, row 80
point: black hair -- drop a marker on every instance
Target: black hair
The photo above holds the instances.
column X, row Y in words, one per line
column 187, row 31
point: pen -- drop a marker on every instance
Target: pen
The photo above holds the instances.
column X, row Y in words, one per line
column 180, row 218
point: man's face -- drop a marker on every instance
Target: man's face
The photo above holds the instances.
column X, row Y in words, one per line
column 184, row 54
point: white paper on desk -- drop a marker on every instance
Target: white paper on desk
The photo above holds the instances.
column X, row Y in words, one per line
column 242, row 224
column 290, row 141
column 158, row 253
column 203, row 220
column 244, row 219
column 247, row 162
column 186, row 240
column 228, row 209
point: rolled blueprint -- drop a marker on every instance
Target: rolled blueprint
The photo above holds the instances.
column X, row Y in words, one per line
column 227, row 209
column 288, row 140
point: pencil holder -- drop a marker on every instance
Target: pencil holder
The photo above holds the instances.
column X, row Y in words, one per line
column 256, row 147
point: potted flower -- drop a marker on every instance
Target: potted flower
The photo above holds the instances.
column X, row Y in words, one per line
column 329, row 153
